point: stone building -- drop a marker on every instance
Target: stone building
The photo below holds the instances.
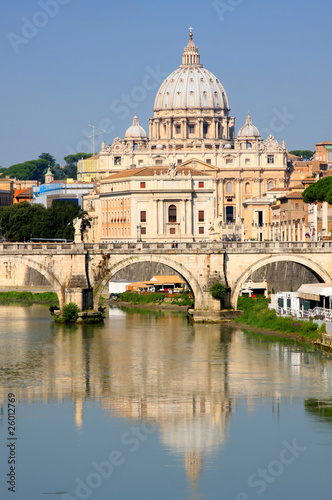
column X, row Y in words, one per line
column 192, row 126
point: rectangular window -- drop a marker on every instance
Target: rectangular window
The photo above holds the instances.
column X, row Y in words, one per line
column 201, row 184
column 191, row 129
column 270, row 158
column 143, row 185
column 143, row 230
column 117, row 160
column 208, row 161
column 140, row 162
column 201, row 230
column 172, row 230
column 179, row 161
column 178, row 129
column 143, row 216
column 201, row 216
column 229, row 160
column 159, row 162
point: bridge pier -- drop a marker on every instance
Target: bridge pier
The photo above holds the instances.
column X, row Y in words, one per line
column 79, row 289
column 83, row 297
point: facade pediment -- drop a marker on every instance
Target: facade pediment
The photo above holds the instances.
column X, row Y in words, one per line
column 199, row 165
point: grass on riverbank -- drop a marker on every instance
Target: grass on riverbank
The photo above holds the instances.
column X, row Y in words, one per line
column 155, row 298
column 28, row 298
column 257, row 314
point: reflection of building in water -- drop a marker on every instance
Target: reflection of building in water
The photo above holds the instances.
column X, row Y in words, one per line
column 186, row 378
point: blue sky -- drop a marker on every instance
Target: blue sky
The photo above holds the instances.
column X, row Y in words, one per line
column 66, row 64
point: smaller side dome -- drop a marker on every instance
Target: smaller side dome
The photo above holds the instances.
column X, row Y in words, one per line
column 135, row 131
column 248, row 129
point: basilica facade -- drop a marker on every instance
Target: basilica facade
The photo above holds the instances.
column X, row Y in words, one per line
column 192, row 139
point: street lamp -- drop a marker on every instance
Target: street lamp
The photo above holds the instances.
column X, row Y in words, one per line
column 138, row 233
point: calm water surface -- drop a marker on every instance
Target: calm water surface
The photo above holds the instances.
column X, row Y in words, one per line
column 151, row 407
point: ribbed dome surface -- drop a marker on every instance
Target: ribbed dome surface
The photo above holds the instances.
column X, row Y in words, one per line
column 248, row 129
column 191, row 87
column 135, row 131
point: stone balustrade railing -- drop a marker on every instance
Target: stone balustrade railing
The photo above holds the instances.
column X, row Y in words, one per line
column 160, row 247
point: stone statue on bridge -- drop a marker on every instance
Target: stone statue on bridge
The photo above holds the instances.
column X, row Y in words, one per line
column 78, row 230
column 214, row 229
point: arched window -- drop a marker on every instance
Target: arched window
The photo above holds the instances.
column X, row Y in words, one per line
column 248, row 145
column 247, row 188
column 135, row 146
column 270, row 185
column 229, row 187
column 172, row 213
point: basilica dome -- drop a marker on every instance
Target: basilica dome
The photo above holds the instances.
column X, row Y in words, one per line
column 248, row 129
column 135, row 131
column 191, row 85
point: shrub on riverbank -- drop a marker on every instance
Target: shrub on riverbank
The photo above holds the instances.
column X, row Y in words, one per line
column 155, row 298
column 257, row 314
column 49, row 298
column 137, row 298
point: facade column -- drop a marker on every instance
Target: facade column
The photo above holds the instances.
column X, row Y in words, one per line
column 294, row 230
column 315, row 222
column 156, row 215
column 158, row 129
column 289, row 231
column 324, row 230
column 200, row 128
column 238, row 198
column 221, row 200
column 298, row 230
column 162, row 218
column 184, row 129
column 303, row 231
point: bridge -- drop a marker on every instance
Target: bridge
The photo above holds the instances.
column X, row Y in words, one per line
column 79, row 272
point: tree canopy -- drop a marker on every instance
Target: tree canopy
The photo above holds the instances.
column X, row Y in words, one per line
column 71, row 163
column 35, row 170
column 319, row 191
column 305, row 153
column 22, row 221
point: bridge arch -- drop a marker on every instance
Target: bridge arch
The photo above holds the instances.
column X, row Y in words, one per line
column 313, row 266
column 177, row 266
column 51, row 278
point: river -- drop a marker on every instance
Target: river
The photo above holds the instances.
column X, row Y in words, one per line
column 149, row 406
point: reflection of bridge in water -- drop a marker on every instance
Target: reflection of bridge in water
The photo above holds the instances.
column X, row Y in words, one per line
column 79, row 272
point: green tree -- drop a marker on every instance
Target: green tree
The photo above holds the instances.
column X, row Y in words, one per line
column 49, row 158
column 71, row 163
column 70, row 312
column 305, row 153
column 319, row 191
column 218, row 290
column 21, row 221
column 29, row 170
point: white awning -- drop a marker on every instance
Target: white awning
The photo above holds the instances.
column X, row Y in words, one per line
column 313, row 291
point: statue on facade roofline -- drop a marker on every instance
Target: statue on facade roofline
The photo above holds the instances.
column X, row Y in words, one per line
column 172, row 172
